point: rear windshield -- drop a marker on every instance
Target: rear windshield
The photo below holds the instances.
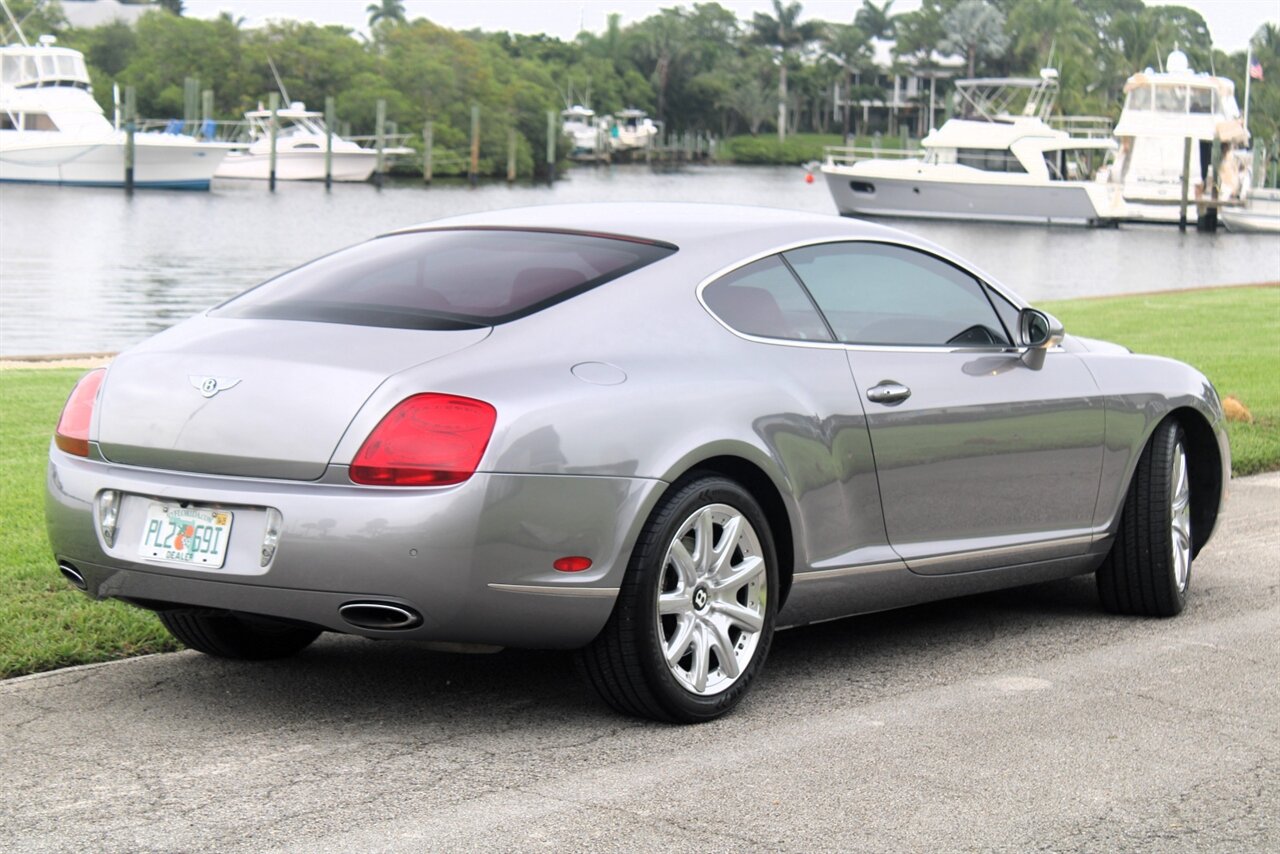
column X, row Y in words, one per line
column 448, row 279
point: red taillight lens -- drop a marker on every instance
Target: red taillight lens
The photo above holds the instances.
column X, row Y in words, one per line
column 72, row 434
column 427, row 440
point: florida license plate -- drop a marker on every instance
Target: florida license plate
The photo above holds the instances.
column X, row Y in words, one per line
column 191, row 536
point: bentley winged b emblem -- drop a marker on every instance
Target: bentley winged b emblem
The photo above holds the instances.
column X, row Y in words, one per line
column 209, row 386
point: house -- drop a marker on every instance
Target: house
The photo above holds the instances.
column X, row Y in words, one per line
column 87, row 14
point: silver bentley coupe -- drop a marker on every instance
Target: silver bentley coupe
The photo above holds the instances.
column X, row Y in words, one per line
column 653, row 433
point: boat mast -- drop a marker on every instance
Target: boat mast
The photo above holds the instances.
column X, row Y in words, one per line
column 17, row 28
column 1248, row 66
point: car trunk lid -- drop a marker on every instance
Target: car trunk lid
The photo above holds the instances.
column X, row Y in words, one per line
column 253, row 398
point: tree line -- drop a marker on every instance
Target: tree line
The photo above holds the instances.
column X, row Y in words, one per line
column 698, row 68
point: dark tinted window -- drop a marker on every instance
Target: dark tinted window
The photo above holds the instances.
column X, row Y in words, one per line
column 445, row 279
column 874, row 293
column 764, row 298
column 989, row 159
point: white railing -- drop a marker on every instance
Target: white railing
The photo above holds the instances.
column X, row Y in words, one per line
column 1089, row 127
column 847, row 155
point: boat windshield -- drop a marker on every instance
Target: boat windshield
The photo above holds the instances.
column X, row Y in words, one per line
column 28, row 68
column 1175, row 98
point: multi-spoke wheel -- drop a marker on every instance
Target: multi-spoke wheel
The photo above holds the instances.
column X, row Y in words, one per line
column 1148, row 568
column 694, row 617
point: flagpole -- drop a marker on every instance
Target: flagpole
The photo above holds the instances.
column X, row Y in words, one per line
column 1248, row 76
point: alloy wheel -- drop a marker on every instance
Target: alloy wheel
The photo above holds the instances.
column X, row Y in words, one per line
column 712, row 597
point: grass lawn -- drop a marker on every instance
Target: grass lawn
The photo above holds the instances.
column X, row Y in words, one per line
column 797, row 149
column 44, row 623
column 1231, row 334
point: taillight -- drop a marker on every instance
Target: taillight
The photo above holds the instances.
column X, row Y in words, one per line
column 72, row 434
column 426, row 440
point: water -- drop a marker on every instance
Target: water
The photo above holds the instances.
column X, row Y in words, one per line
column 86, row 270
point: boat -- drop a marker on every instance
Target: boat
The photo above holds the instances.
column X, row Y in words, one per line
column 986, row 164
column 1162, row 110
column 585, row 132
column 301, row 140
column 632, row 130
column 52, row 131
column 1260, row 213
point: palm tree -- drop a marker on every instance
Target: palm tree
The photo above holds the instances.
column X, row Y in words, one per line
column 850, row 47
column 876, row 21
column 386, row 10
column 783, row 32
column 974, row 28
column 661, row 40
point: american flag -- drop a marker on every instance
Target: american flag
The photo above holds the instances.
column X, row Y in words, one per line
column 1255, row 70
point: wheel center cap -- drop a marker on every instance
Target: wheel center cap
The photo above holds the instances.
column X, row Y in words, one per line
column 700, row 599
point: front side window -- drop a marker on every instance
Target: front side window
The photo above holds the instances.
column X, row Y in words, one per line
column 446, row 279
column 38, row 121
column 989, row 159
column 880, row 294
column 763, row 298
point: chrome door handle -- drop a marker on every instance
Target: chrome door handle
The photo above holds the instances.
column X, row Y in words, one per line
column 888, row 392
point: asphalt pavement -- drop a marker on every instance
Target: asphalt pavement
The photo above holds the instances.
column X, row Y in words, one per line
column 1017, row 721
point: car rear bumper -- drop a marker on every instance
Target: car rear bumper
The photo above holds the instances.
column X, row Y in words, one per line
column 474, row 560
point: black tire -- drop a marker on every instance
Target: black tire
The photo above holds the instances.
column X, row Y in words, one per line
column 241, row 636
column 1148, row 570
column 726, row 617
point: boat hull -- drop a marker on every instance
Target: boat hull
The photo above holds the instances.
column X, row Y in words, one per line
column 158, row 164
column 1065, row 202
column 348, row 166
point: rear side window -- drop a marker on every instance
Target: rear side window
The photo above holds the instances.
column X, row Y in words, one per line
column 448, row 279
column 763, row 298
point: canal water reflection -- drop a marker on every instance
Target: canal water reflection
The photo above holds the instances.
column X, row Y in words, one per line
column 85, row 269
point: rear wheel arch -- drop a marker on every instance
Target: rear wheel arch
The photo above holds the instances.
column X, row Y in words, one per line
column 766, row 493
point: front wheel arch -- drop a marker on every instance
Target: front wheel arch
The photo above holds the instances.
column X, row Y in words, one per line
column 1204, row 465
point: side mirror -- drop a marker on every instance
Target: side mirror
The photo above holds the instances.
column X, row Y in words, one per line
column 1038, row 332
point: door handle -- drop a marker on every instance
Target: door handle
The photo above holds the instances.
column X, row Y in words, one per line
column 888, row 392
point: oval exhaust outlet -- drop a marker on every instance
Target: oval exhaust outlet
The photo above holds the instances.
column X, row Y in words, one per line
column 381, row 616
column 70, row 573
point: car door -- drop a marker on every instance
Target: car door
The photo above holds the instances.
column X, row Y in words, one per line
column 982, row 460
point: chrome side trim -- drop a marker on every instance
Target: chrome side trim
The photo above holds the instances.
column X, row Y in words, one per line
column 999, row 551
column 555, row 590
column 843, row 571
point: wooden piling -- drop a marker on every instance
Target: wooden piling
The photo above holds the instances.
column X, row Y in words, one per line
column 380, row 131
column 206, row 114
column 428, row 142
column 130, row 127
column 273, row 101
column 511, row 155
column 190, row 101
column 551, row 146
column 1186, row 183
column 330, row 119
column 473, row 172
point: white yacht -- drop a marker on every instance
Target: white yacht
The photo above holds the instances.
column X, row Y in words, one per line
column 52, row 131
column 584, row 131
column 301, row 139
column 632, row 130
column 1162, row 110
column 987, row 164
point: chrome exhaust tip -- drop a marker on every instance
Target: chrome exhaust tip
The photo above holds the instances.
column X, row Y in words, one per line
column 380, row 616
column 70, row 573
